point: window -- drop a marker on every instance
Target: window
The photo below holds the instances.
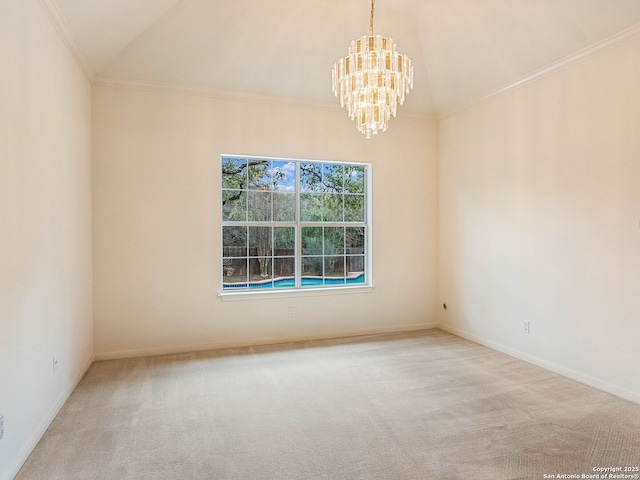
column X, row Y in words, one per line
column 291, row 224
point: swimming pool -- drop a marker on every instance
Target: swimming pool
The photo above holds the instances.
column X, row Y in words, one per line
column 289, row 282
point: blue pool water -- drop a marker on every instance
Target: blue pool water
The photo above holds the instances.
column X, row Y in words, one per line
column 289, row 282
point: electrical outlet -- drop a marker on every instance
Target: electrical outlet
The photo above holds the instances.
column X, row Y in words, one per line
column 291, row 312
column 1, row 426
column 525, row 326
column 55, row 364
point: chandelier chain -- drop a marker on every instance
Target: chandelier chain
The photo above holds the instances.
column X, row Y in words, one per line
column 373, row 3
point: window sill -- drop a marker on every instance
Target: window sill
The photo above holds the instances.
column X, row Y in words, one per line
column 302, row 292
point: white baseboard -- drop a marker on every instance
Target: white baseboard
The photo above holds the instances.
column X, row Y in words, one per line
column 553, row 367
column 173, row 349
column 37, row 435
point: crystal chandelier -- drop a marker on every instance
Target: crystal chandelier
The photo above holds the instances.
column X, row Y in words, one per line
column 372, row 80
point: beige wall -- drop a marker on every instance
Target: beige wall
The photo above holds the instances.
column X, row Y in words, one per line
column 45, row 224
column 539, row 204
column 156, row 192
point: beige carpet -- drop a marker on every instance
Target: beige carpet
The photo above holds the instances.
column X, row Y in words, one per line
column 425, row 405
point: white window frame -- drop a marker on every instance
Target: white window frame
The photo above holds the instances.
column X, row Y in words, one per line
column 298, row 224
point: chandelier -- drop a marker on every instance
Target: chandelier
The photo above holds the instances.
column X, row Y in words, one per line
column 372, row 80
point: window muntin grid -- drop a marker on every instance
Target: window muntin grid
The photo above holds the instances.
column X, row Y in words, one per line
column 290, row 224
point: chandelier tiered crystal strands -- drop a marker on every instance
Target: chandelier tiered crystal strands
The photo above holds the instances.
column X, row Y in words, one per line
column 372, row 80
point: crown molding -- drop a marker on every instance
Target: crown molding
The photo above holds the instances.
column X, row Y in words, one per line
column 62, row 27
column 584, row 54
column 209, row 92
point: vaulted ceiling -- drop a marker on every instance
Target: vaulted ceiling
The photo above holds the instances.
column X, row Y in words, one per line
column 461, row 49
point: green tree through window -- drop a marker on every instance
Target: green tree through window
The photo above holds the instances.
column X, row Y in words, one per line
column 293, row 224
